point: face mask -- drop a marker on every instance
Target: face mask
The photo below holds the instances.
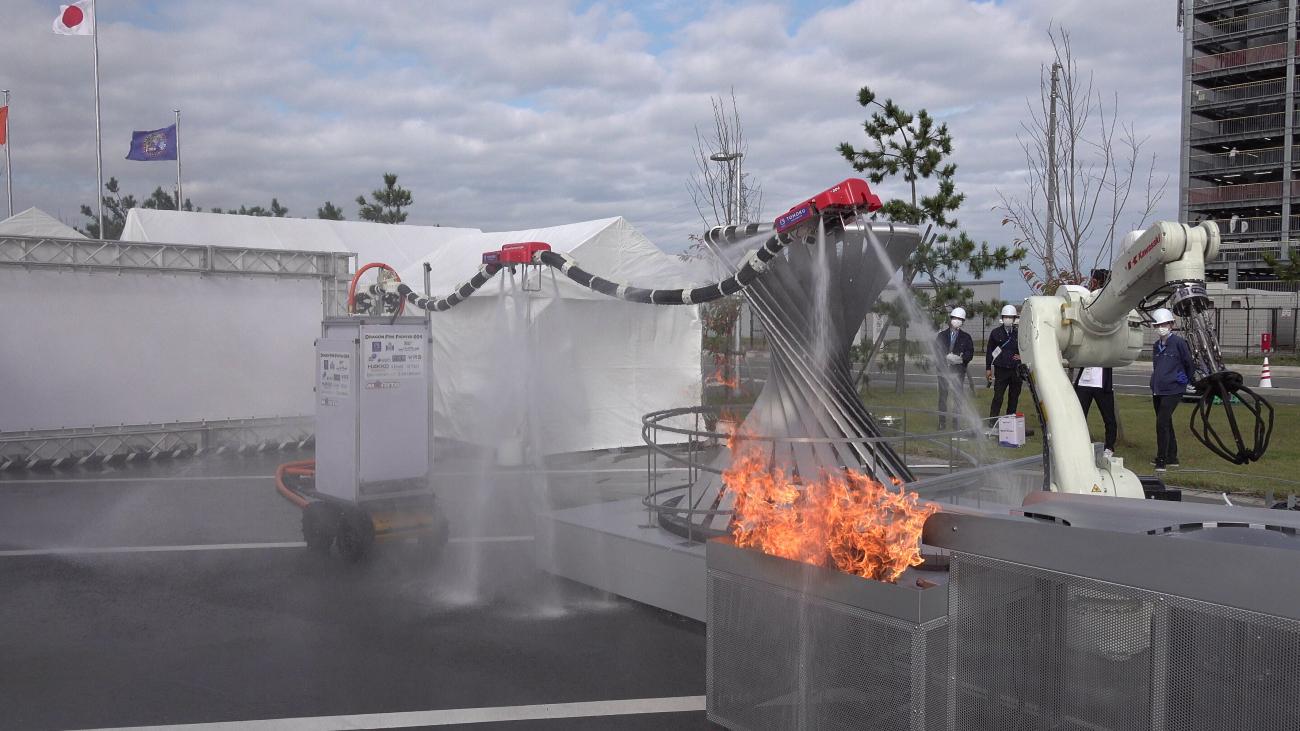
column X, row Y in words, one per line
column 956, row 324
column 1009, row 321
column 1164, row 330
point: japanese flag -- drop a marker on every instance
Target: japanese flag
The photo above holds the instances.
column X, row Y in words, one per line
column 76, row 19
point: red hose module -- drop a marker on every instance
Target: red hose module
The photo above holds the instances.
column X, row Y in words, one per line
column 301, row 468
column 352, row 289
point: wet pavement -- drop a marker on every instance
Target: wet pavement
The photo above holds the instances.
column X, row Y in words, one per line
column 178, row 593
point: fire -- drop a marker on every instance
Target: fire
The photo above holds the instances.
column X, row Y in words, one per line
column 719, row 378
column 845, row 521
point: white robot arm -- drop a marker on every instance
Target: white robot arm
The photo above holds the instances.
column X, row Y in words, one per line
column 1165, row 266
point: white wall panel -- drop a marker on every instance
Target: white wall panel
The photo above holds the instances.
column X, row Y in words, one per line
column 106, row 349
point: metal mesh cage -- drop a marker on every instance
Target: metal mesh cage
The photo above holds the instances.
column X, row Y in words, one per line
column 1035, row 649
column 781, row 660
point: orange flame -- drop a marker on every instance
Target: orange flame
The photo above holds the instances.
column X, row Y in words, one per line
column 718, row 378
column 847, row 521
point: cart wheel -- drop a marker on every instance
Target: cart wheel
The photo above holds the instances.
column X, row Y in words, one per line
column 355, row 535
column 436, row 539
column 318, row 527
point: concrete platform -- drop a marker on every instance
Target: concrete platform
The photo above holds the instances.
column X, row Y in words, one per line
column 607, row 546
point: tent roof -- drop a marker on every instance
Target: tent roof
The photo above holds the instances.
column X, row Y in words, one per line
column 398, row 246
column 35, row 222
column 610, row 247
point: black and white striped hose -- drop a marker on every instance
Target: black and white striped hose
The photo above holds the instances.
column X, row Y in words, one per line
column 442, row 304
column 755, row 263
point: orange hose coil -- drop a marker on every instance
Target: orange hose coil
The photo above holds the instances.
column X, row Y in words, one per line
column 301, row 468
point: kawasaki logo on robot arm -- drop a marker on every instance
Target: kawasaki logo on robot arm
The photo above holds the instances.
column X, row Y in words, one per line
column 1142, row 254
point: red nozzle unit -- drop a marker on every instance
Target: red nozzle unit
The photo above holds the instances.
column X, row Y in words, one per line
column 515, row 253
column 850, row 198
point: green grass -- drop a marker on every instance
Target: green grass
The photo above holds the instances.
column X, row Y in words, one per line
column 1137, row 441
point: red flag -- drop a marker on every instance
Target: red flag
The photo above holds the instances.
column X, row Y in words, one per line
column 4, row 125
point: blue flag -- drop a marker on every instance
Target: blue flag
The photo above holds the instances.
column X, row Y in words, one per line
column 158, row 144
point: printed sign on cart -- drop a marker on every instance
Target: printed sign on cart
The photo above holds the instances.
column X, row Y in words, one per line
column 391, row 355
column 335, row 376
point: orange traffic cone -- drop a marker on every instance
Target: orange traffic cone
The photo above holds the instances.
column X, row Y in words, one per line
column 1265, row 378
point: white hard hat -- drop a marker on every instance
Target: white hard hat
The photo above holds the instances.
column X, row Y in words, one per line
column 1161, row 316
column 958, row 312
column 1010, row 311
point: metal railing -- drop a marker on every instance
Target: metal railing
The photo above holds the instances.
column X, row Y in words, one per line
column 1252, row 252
column 1235, row 193
column 1244, row 57
column 1239, row 125
column 1235, row 159
column 1240, row 24
column 1238, row 92
column 1240, row 329
column 1254, row 226
column 675, row 503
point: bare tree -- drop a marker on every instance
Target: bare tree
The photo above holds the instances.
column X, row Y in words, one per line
column 1097, row 164
column 713, row 187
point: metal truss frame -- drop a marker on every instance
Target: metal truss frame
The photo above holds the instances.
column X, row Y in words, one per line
column 334, row 269
column 65, row 447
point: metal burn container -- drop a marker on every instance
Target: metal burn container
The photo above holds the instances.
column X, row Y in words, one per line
column 795, row 646
column 1071, row 612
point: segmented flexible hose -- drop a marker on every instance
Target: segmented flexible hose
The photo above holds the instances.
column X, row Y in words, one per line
column 755, row 263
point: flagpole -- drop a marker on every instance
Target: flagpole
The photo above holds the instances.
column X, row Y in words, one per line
column 99, row 148
column 178, row 160
column 9, row 173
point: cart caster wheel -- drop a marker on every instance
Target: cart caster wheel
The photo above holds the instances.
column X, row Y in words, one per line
column 318, row 527
column 436, row 539
column 355, row 535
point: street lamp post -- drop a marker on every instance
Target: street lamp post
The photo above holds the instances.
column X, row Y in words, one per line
column 733, row 182
column 733, row 189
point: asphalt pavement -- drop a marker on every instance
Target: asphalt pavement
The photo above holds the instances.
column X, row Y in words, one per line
column 180, row 594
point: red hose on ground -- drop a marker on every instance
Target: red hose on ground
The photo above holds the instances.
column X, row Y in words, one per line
column 303, row 467
column 352, row 290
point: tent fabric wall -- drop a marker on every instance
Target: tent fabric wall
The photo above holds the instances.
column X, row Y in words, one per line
column 574, row 369
column 596, row 365
column 108, row 349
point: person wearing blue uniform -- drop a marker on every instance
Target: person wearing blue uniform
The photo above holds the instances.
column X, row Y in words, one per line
column 954, row 349
column 1002, row 363
column 1172, row 368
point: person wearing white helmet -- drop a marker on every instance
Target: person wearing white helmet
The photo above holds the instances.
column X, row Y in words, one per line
column 1172, row 368
column 1002, row 362
column 953, row 349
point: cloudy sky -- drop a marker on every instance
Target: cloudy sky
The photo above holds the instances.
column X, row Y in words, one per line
column 521, row 114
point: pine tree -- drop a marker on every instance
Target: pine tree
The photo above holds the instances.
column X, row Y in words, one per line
column 115, row 207
column 329, row 212
column 912, row 146
column 388, row 204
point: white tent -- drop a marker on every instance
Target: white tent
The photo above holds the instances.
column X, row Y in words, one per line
column 580, row 367
column 397, row 246
column 35, row 222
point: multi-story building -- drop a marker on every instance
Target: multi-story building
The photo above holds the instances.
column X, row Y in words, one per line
column 1239, row 97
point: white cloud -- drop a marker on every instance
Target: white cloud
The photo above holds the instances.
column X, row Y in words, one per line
column 523, row 114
